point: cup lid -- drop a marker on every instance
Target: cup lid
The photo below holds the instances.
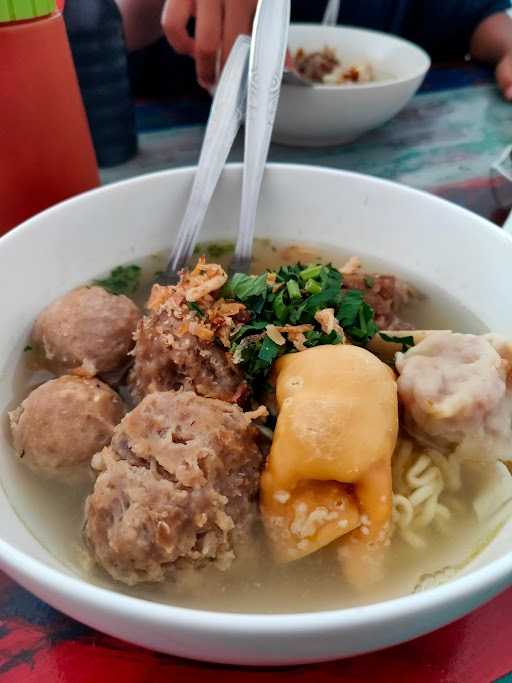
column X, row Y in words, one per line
column 21, row 10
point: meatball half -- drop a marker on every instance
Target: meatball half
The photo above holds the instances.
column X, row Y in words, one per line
column 177, row 489
column 174, row 351
column 63, row 423
column 87, row 332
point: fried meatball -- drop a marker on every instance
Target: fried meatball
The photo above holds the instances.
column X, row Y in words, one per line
column 87, row 332
column 63, row 423
column 168, row 357
column 455, row 393
column 177, row 489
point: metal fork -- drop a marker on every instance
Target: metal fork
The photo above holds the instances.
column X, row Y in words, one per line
column 266, row 64
column 227, row 113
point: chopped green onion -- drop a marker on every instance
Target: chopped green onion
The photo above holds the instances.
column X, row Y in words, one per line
column 313, row 287
column 407, row 342
column 269, row 350
column 279, row 307
column 310, row 272
column 254, row 328
column 350, row 305
column 194, row 307
column 302, row 291
column 122, row 280
column 217, row 250
column 243, row 287
column 293, row 290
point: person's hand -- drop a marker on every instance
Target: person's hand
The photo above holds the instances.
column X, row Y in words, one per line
column 491, row 42
column 504, row 76
column 218, row 24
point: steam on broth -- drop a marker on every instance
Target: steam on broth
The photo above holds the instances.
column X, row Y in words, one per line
column 427, row 554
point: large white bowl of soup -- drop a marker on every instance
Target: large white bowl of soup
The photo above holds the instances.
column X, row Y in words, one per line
column 360, row 80
column 300, row 465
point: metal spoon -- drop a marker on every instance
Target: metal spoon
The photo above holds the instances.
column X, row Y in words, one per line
column 292, row 77
column 227, row 113
column 332, row 12
column 266, row 63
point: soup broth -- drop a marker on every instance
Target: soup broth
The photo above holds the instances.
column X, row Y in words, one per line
column 314, row 583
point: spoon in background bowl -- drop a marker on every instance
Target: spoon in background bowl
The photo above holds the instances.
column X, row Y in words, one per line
column 291, row 75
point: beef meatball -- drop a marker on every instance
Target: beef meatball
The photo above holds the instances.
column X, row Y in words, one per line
column 455, row 393
column 177, row 489
column 174, row 350
column 386, row 294
column 63, row 423
column 87, row 332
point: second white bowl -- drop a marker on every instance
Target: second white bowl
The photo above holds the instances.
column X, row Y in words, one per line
column 331, row 115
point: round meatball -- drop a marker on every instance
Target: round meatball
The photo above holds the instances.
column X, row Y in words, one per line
column 63, row 423
column 177, row 489
column 87, row 331
column 169, row 357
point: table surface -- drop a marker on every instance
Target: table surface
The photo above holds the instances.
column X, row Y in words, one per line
column 444, row 142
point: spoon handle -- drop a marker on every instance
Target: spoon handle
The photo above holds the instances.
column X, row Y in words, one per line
column 227, row 112
column 332, row 13
column 266, row 64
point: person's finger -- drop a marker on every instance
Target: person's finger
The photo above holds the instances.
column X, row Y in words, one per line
column 504, row 76
column 175, row 17
column 289, row 61
column 208, row 39
column 238, row 18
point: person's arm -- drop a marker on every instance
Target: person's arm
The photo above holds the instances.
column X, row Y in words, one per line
column 454, row 28
column 491, row 42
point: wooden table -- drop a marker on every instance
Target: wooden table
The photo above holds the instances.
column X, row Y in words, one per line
column 444, row 142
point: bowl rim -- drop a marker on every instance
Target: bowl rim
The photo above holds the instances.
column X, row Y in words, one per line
column 51, row 581
column 372, row 85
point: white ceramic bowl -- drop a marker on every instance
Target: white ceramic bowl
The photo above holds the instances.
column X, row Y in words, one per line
column 331, row 115
column 77, row 240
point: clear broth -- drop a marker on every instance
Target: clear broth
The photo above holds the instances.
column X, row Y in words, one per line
column 312, row 584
